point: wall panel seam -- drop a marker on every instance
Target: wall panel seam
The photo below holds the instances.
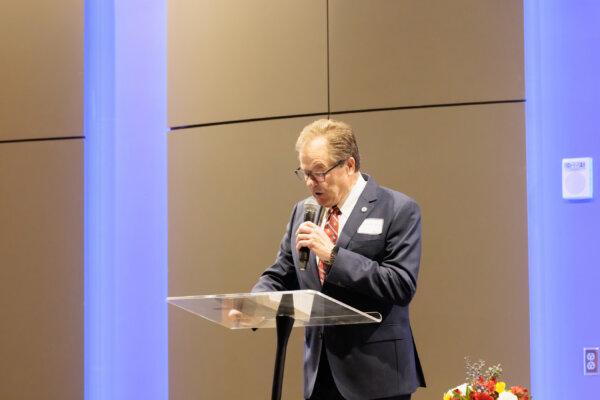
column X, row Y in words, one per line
column 442, row 105
column 329, row 113
column 41, row 139
column 328, row 60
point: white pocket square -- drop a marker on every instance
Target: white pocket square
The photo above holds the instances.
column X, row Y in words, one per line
column 371, row 226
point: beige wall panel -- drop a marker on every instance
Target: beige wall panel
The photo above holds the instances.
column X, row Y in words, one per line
column 41, row 277
column 41, row 73
column 237, row 59
column 388, row 53
column 464, row 165
column 466, row 168
column 231, row 191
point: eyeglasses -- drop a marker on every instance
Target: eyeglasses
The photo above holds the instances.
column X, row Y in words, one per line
column 315, row 176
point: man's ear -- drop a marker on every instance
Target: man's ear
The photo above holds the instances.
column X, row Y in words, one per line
column 351, row 163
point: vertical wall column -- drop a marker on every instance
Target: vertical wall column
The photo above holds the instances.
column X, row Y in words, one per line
column 125, row 167
column 562, row 122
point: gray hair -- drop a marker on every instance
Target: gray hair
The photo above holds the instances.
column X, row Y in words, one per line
column 340, row 139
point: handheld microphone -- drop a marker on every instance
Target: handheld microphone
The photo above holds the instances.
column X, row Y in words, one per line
column 310, row 214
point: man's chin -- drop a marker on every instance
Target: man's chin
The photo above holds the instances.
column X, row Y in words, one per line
column 323, row 202
column 321, row 199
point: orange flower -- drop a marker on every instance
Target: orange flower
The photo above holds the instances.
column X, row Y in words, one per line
column 520, row 392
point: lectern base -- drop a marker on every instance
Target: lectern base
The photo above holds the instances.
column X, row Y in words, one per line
column 284, row 328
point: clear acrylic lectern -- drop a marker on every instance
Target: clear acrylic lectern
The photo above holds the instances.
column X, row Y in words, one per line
column 281, row 310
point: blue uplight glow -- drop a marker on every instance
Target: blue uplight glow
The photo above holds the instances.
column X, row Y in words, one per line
column 125, row 201
column 563, row 99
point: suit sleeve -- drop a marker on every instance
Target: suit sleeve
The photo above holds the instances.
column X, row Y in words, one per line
column 393, row 280
column 282, row 274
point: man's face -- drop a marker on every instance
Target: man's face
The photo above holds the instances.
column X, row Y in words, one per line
column 315, row 157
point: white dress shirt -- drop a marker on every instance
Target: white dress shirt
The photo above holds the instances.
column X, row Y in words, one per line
column 348, row 205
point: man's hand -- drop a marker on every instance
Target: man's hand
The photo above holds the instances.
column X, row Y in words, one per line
column 314, row 237
column 241, row 320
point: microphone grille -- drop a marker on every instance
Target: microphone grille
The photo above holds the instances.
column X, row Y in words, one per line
column 310, row 209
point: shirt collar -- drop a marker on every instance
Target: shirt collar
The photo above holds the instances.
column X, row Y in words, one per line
column 357, row 189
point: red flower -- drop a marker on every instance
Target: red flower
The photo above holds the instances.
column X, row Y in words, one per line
column 520, row 392
column 481, row 396
column 490, row 386
column 482, row 386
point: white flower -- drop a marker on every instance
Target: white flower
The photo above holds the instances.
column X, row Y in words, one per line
column 507, row 396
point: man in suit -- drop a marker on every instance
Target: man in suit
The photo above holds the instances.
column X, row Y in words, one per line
column 364, row 252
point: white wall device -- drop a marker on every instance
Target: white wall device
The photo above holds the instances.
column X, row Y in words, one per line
column 577, row 178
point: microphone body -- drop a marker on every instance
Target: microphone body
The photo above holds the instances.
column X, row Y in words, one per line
column 310, row 214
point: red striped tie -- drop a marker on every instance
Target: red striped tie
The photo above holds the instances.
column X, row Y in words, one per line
column 331, row 228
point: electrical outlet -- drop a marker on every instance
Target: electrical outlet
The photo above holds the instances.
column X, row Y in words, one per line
column 590, row 360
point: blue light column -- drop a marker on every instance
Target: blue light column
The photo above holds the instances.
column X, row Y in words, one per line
column 563, row 117
column 125, row 201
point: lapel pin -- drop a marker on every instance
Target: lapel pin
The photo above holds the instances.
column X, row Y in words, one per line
column 364, row 209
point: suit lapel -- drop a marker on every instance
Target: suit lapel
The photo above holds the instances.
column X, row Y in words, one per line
column 311, row 274
column 365, row 202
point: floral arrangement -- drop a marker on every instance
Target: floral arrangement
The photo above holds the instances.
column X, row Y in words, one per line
column 485, row 385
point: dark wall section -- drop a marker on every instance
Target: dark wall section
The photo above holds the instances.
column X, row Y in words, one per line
column 42, row 69
column 41, row 272
column 41, row 200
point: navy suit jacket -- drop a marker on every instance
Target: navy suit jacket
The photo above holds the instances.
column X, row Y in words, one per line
column 371, row 272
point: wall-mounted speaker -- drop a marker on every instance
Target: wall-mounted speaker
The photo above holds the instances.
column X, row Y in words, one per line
column 577, row 178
